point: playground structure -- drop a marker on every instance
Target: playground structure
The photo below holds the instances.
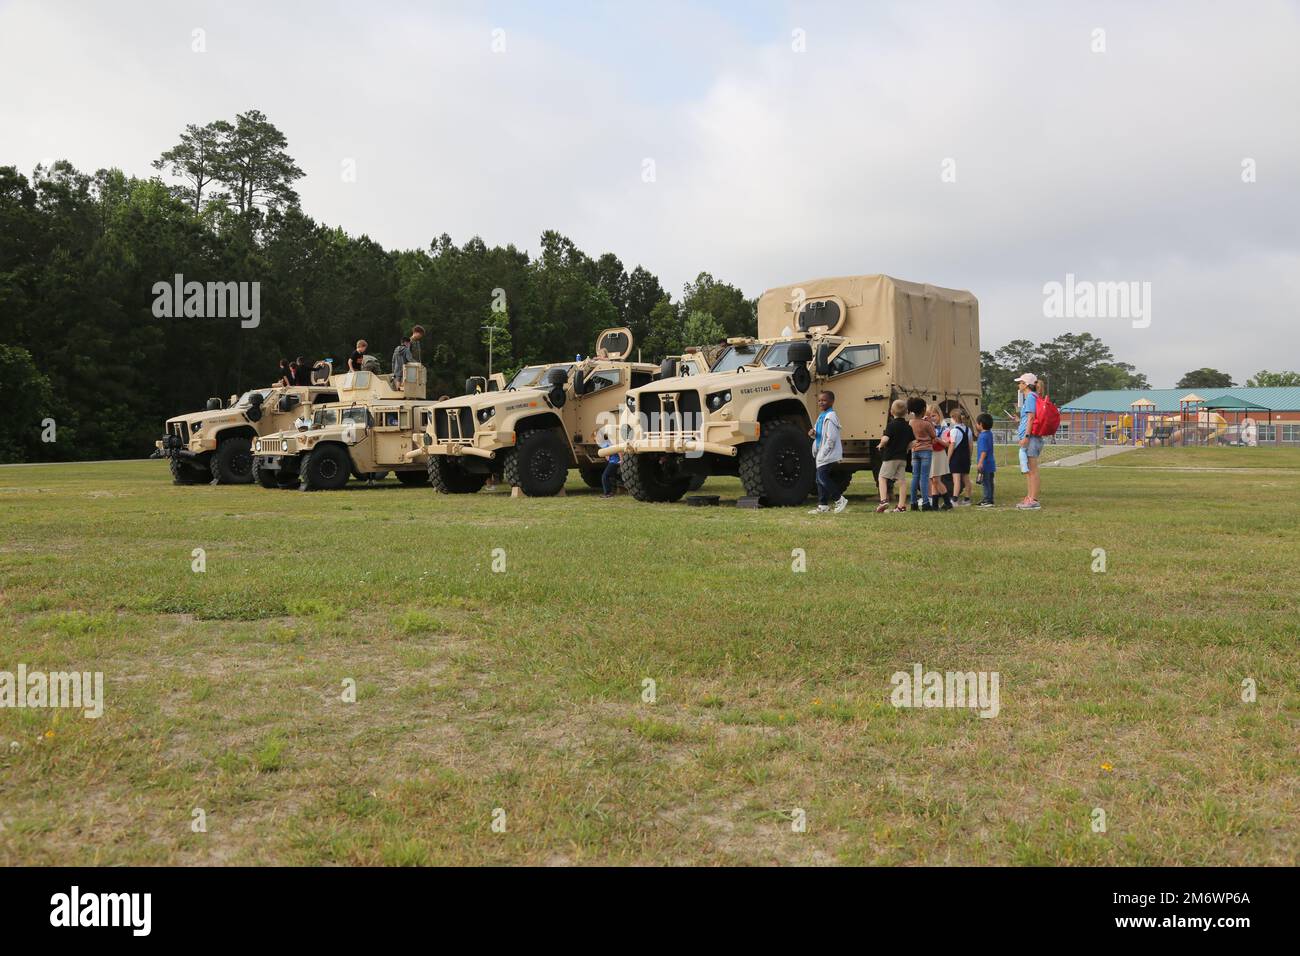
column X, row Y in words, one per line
column 1197, row 422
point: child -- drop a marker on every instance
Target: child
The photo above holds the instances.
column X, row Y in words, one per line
column 940, row 471
column 894, row 454
column 985, row 465
column 827, row 451
column 1031, row 446
column 608, row 477
column 959, row 459
column 923, row 439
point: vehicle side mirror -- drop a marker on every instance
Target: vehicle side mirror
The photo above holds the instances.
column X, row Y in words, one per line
column 214, row 404
column 579, row 383
column 824, row 359
column 289, row 402
column 668, row 368
column 473, row 385
column 800, row 353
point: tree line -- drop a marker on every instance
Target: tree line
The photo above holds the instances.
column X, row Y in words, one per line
column 86, row 362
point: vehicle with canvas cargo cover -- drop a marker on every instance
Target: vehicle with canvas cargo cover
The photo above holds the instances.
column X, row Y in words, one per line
column 540, row 425
column 868, row 339
column 368, row 432
column 216, row 445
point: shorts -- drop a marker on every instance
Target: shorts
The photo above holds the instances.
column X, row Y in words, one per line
column 1035, row 446
column 894, row 470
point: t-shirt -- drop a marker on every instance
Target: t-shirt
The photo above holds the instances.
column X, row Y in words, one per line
column 957, row 433
column 984, row 446
column 1027, row 414
column 899, row 434
column 299, row 375
column 354, row 360
column 612, row 459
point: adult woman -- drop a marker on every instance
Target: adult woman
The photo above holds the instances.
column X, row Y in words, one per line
column 1031, row 445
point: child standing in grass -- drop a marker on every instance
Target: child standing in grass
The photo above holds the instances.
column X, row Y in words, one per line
column 923, row 438
column 985, row 464
column 940, row 471
column 894, row 452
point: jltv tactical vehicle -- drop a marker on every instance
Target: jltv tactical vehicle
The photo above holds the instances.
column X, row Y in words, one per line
column 366, row 433
column 869, row 339
column 216, row 444
column 538, row 427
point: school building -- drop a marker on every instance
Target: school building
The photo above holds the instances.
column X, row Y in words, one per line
column 1181, row 416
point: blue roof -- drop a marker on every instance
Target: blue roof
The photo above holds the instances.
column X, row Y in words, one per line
column 1167, row 399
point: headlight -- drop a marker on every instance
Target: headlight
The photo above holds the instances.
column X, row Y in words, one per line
column 196, row 426
column 718, row 399
column 257, row 445
column 631, row 403
column 485, row 413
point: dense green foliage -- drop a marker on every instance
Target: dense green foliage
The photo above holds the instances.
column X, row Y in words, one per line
column 1070, row 365
column 80, row 254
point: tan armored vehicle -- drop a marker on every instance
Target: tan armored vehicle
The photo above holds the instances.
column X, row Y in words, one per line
column 868, row 339
column 538, row 427
column 216, row 444
column 366, row 433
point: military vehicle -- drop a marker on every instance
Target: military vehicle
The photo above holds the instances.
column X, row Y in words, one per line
column 216, row 444
column 366, row 433
column 541, row 424
column 868, row 339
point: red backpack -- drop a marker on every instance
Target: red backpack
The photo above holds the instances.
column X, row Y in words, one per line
column 1047, row 418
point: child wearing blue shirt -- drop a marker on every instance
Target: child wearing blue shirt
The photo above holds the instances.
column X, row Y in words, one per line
column 985, row 464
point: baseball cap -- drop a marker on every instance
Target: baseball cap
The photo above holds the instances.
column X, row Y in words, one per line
column 1029, row 378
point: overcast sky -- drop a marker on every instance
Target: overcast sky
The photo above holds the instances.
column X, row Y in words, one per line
column 772, row 164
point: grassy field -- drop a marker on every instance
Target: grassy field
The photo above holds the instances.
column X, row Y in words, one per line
column 521, row 690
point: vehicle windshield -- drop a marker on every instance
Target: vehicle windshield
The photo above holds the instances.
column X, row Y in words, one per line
column 532, row 375
column 777, row 356
column 243, row 399
column 323, row 417
column 736, row 356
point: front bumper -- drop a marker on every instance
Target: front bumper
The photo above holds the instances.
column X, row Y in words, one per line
column 715, row 438
column 170, row 446
column 484, row 444
column 288, row 464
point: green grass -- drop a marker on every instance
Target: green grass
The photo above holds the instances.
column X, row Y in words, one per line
column 522, row 692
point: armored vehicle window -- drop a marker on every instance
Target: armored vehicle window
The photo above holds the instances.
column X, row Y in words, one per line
column 357, row 416
column 532, row 375
column 736, row 356
column 324, row 417
column 641, row 378
column 324, row 397
column 602, row 379
column 777, row 356
column 243, row 399
column 825, row 313
column 857, row 356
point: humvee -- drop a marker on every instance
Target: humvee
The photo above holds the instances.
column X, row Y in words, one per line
column 216, row 444
column 868, row 339
column 541, row 424
column 366, row 433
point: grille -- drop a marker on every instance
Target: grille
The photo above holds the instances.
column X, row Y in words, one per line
column 663, row 414
column 454, row 424
column 273, row 444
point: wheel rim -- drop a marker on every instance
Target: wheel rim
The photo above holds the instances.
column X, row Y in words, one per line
column 788, row 467
column 241, row 463
column 542, row 466
column 328, row 468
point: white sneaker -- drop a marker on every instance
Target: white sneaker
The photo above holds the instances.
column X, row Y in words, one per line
column 841, row 504
column 820, row 510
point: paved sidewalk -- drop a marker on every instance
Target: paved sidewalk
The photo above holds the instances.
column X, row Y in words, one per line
column 1088, row 457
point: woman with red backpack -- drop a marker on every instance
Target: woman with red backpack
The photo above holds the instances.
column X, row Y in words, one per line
column 1031, row 445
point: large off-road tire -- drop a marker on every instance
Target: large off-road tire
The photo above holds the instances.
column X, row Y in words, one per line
column 326, row 468
column 183, row 473
column 779, row 468
column 539, row 463
column 265, row 476
column 449, row 478
column 696, row 482
column 412, row 477
column 232, row 462
column 646, row 479
column 591, row 476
